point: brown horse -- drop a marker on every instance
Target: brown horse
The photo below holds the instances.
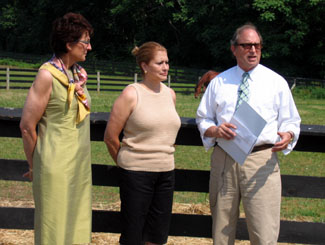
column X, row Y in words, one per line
column 204, row 82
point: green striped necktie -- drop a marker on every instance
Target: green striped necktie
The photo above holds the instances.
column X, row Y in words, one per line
column 243, row 90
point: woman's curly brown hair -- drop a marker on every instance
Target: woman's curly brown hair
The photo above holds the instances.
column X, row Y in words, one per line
column 68, row 28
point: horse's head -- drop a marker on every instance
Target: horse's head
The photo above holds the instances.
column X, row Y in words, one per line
column 204, row 81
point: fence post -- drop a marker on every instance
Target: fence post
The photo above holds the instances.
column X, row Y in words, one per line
column 294, row 84
column 135, row 77
column 169, row 81
column 8, row 78
column 98, row 81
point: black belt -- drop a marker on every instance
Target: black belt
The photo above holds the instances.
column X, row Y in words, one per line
column 258, row 147
column 262, row 147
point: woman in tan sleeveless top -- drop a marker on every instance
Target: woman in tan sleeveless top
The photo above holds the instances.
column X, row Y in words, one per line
column 146, row 113
column 58, row 153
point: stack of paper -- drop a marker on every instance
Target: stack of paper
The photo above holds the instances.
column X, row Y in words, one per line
column 249, row 126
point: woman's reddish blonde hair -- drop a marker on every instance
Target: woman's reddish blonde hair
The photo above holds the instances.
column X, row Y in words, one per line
column 146, row 52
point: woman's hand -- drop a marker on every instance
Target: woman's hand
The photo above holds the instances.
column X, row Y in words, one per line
column 79, row 89
column 29, row 174
column 122, row 109
column 36, row 102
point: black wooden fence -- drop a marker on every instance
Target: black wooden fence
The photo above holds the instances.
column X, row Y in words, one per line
column 311, row 139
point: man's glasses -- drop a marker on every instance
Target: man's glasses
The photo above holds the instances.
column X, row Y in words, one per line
column 84, row 42
column 248, row 46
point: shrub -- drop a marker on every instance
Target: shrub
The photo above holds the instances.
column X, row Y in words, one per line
column 16, row 63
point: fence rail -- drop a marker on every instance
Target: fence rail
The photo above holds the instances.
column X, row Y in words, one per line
column 99, row 81
column 182, row 81
column 311, row 139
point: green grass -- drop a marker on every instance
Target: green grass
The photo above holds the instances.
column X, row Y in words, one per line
column 186, row 157
column 303, row 209
column 316, row 92
column 311, row 110
column 13, row 98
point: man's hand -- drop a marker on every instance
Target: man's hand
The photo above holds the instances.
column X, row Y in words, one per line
column 283, row 143
column 224, row 131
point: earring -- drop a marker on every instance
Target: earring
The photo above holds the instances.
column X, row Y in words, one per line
column 145, row 72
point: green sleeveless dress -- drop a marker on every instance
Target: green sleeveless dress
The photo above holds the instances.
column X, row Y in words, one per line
column 62, row 173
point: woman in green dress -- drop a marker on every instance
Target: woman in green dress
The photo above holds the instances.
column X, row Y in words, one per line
column 58, row 152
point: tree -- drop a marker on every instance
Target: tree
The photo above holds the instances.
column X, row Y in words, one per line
column 8, row 23
column 294, row 35
column 196, row 33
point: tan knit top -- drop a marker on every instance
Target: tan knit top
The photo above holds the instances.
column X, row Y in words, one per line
column 150, row 132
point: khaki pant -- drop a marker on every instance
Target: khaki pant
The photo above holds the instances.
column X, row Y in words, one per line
column 258, row 184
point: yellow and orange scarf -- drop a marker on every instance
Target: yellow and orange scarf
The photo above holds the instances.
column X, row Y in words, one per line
column 83, row 107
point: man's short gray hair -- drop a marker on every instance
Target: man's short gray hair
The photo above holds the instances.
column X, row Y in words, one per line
column 240, row 29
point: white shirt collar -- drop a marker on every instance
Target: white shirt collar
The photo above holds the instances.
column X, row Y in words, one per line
column 252, row 73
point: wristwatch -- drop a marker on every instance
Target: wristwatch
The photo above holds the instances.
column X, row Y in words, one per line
column 292, row 135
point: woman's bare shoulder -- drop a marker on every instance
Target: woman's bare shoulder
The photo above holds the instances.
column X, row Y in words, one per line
column 44, row 78
column 129, row 93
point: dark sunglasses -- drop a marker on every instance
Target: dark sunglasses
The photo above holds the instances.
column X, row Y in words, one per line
column 248, row 46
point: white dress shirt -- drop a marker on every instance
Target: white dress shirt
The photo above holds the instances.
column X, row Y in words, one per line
column 270, row 97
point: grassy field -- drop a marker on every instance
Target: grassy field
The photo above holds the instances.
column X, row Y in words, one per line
column 187, row 157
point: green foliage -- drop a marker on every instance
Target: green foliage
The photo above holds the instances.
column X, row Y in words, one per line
column 293, row 35
column 8, row 18
column 196, row 33
column 16, row 63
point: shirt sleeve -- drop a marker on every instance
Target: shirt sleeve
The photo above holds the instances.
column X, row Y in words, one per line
column 288, row 117
column 206, row 115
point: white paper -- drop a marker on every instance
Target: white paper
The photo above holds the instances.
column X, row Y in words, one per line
column 249, row 126
column 244, row 138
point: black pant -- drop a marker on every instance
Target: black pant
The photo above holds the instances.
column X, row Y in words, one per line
column 146, row 206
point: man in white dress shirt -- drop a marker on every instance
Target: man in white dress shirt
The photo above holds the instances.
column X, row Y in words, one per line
column 257, row 182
